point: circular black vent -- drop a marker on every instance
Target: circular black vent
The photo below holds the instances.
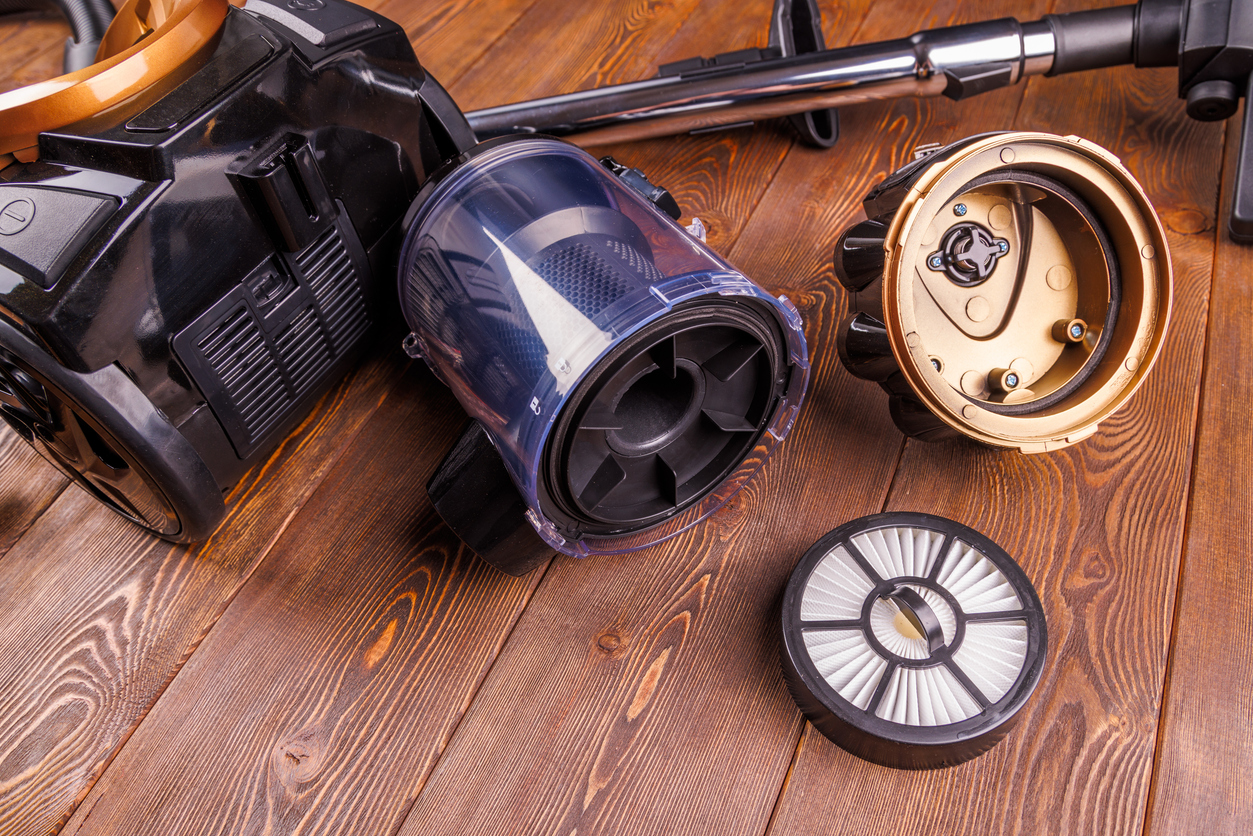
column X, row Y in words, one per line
column 664, row 418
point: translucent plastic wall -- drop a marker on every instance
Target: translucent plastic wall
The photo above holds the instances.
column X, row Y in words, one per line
column 523, row 268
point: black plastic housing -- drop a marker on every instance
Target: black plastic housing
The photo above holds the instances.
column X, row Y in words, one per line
column 219, row 240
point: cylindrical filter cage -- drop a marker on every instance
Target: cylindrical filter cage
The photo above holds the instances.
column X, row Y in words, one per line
column 630, row 379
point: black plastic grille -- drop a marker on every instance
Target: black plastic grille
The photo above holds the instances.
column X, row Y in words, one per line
column 335, row 285
column 238, row 355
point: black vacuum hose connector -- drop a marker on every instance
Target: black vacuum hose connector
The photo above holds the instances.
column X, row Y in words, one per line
column 1145, row 34
column 1093, row 39
column 88, row 21
column 1159, row 28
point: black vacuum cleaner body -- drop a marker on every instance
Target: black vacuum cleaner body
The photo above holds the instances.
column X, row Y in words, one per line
column 182, row 276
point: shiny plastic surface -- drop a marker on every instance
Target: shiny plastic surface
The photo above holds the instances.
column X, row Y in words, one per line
column 147, row 40
column 224, row 205
column 524, row 268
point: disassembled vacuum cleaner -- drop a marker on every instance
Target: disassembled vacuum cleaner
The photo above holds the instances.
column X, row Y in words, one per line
column 187, row 263
column 187, row 259
column 910, row 640
column 1014, row 288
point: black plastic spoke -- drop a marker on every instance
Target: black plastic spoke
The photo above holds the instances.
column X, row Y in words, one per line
column 727, row 363
column 1003, row 615
column 882, row 687
column 609, row 474
column 945, row 549
column 600, row 419
column 860, row 560
column 667, row 481
column 838, row 624
column 727, row 422
column 955, row 670
column 67, row 434
column 665, row 354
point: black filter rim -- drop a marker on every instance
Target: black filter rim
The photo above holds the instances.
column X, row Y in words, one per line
column 728, row 363
column 861, row 731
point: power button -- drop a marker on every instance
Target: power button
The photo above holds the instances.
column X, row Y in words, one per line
column 16, row 216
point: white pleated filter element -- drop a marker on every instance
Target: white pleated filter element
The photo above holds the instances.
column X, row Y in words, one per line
column 992, row 654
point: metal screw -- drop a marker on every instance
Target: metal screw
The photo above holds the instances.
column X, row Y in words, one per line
column 1011, row 380
column 935, row 262
column 1070, row 330
column 935, row 363
column 1004, row 246
column 959, row 209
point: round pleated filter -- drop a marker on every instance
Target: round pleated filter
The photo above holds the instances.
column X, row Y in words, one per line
column 911, row 640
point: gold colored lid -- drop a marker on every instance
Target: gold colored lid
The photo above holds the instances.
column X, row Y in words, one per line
column 144, row 43
column 1027, row 289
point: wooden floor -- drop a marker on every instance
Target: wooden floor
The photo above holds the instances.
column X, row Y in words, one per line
column 332, row 661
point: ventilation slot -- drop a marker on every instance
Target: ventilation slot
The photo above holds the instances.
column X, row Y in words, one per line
column 238, row 355
column 304, row 350
column 337, row 288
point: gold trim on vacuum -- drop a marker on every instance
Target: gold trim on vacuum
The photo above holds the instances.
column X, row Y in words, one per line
column 998, row 289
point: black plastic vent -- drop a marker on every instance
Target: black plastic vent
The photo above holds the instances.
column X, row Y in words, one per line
column 273, row 341
column 330, row 274
column 304, row 350
column 237, row 353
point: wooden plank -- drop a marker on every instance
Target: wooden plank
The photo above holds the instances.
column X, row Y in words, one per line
column 1205, row 754
column 33, row 52
column 97, row 616
column 655, row 704
column 334, row 680
column 28, row 485
column 450, row 37
column 561, row 47
column 1097, row 527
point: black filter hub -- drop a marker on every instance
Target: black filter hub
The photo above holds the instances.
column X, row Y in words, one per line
column 664, row 418
column 968, row 254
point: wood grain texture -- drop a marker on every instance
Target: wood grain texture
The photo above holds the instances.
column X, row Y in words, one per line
column 1205, row 750
column 333, row 681
column 97, row 616
column 31, row 47
column 333, row 661
column 28, row 485
column 1097, row 527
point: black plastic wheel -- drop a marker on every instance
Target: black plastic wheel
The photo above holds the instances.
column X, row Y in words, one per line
column 664, row 418
column 910, row 640
column 102, row 432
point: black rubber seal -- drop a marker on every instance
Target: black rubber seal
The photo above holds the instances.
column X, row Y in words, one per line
column 1115, row 289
